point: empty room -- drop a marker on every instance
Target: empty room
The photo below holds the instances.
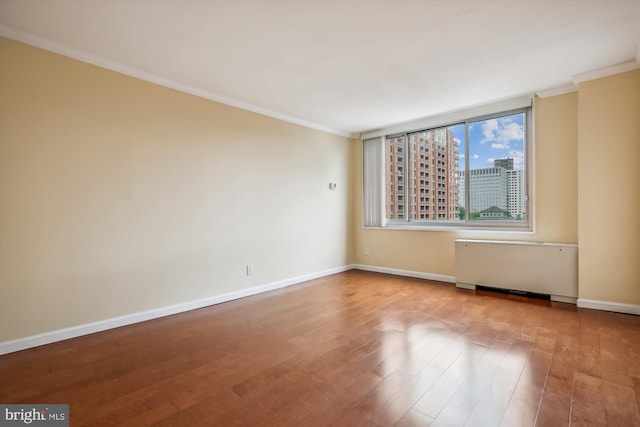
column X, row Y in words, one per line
column 320, row 213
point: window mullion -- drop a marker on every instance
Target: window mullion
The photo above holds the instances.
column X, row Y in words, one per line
column 467, row 198
column 407, row 179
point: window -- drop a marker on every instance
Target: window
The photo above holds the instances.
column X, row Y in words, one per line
column 472, row 173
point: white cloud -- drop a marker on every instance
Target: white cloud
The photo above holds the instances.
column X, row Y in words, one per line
column 490, row 129
column 511, row 132
column 518, row 158
column 461, row 155
column 490, row 160
column 475, row 156
column 501, row 131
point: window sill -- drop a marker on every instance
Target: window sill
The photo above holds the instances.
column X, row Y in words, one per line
column 453, row 227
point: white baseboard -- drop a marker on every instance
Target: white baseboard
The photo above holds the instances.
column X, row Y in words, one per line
column 406, row 273
column 609, row 306
column 116, row 322
column 561, row 298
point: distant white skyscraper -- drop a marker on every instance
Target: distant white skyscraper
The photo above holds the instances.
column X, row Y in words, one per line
column 516, row 193
column 488, row 187
column 501, row 187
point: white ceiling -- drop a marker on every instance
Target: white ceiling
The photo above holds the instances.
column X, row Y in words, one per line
column 343, row 66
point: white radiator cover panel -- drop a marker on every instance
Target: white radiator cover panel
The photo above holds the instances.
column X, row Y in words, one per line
column 546, row 268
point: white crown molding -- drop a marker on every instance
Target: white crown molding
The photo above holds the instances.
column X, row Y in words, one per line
column 116, row 322
column 557, row 90
column 605, row 72
column 99, row 61
column 609, row 306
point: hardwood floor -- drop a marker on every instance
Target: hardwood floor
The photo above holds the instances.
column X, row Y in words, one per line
column 352, row 349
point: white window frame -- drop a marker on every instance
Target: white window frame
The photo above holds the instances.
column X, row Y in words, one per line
column 521, row 105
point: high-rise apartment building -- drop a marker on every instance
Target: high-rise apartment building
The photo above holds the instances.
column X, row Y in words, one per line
column 422, row 176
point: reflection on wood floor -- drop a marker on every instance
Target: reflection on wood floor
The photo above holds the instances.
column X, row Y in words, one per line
column 356, row 348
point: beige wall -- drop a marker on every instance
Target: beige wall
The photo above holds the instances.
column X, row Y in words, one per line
column 587, row 179
column 119, row 196
column 555, row 201
column 609, row 188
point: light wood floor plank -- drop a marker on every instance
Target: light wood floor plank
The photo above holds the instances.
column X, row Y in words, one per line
column 353, row 349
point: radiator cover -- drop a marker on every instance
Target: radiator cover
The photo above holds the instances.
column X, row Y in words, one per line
column 545, row 268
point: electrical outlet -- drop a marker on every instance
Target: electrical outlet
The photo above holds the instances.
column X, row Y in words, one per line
column 366, row 252
column 249, row 269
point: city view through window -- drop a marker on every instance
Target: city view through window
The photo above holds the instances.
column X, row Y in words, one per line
column 427, row 172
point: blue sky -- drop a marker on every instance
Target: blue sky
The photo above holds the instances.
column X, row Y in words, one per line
column 493, row 139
